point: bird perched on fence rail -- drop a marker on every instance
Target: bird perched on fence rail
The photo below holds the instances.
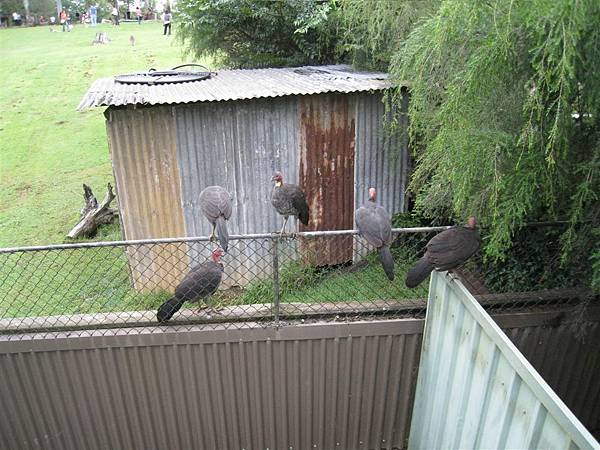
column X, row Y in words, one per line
column 201, row 282
column 215, row 204
column 445, row 251
column 374, row 224
column 288, row 200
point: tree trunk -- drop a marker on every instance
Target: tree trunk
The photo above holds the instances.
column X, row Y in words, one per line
column 101, row 38
column 26, row 7
column 93, row 214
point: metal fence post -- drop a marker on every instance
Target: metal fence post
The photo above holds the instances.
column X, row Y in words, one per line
column 275, row 249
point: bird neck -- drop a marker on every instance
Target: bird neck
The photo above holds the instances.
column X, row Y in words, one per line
column 278, row 183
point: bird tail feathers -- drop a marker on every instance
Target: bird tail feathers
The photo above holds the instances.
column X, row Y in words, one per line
column 303, row 216
column 418, row 272
column 222, row 233
column 168, row 308
column 387, row 261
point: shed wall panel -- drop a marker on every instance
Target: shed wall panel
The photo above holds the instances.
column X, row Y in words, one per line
column 237, row 145
column 143, row 150
column 164, row 156
column 327, row 144
column 381, row 159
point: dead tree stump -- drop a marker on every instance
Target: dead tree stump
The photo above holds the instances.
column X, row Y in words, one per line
column 101, row 38
column 93, row 214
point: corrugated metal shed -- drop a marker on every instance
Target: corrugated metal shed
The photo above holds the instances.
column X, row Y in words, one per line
column 322, row 126
column 476, row 390
column 237, row 85
column 326, row 176
column 381, row 160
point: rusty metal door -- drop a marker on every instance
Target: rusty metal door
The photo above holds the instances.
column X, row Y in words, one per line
column 327, row 172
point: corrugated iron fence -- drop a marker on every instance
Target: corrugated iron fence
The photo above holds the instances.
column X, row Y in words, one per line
column 324, row 385
column 476, row 389
column 303, row 356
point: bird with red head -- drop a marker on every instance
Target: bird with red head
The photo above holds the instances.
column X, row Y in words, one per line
column 200, row 283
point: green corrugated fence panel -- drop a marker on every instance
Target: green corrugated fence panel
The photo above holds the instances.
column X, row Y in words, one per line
column 476, row 390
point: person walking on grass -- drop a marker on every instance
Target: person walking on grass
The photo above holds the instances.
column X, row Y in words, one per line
column 115, row 15
column 167, row 21
column 64, row 20
column 94, row 15
column 138, row 15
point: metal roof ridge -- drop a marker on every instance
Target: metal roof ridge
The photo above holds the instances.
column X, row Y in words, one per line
column 238, row 84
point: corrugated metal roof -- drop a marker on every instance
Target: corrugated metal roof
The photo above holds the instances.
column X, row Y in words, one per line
column 237, row 85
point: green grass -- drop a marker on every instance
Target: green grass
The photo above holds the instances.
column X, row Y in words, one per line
column 74, row 281
column 47, row 148
column 365, row 281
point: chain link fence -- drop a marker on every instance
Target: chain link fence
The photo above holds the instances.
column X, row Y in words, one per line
column 268, row 280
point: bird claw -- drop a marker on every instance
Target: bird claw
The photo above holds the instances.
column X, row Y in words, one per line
column 210, row 310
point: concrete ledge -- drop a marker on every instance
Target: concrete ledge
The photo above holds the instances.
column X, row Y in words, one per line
column 264, row 312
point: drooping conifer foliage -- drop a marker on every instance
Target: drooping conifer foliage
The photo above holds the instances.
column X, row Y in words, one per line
column 504, row 111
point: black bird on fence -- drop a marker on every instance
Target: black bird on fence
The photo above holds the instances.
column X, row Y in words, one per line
column 374, row 224
column 288, row 200
column 445, row 251
column 215, row 204
column 201, row 282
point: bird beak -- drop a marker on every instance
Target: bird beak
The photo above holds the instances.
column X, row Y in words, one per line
column 273, row 178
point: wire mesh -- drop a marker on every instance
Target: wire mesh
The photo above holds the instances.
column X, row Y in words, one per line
column 268, row 280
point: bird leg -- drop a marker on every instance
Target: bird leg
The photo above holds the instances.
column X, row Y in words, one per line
column 284, row 224
column 213, row 236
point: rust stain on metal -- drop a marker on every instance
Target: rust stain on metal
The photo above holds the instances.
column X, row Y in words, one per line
column 326, row 171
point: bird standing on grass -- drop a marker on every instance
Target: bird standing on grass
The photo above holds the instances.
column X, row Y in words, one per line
column 374, row 225
column 215, row 204
column 201, row 282
column 288, row 200
column 445, row 251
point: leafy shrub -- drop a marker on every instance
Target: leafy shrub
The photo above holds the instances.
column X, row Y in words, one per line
column 534, row 261
column 258, row 33
column 504, row 118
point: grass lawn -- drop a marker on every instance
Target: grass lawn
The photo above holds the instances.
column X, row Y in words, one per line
column 47, row 148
